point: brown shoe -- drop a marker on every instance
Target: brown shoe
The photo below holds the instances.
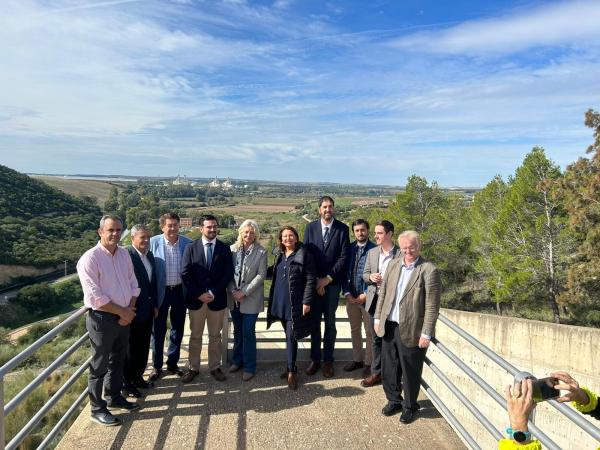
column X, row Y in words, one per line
column 154, row 374
column 292, row 381
column 218, row 374
column 353, row 365
column 328, row 369
column 371, row 381
column 313, row 368
column 366, row 372
column 188, row 376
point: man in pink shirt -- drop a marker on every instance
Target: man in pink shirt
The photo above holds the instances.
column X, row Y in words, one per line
column 110, row 289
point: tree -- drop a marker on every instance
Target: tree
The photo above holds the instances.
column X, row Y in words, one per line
column 111, row 205
column 487, row 242
column 534, row 244
column 580, row 188
column 36, row 297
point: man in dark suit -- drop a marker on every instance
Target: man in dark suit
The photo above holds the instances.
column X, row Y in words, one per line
column 407, row 310
column 207, row 269
column 146, row 309
column 328, row 241
column 354, row 289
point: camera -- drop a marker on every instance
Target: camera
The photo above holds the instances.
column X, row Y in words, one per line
column 543, row 388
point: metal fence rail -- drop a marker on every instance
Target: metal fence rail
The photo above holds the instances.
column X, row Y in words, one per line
column 548, row 443
column 6, row 409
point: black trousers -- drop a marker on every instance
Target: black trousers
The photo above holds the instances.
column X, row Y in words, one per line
column 109, row 347
column 291, row 346
column 377, row 342
column 138, row 348
column 401, row 368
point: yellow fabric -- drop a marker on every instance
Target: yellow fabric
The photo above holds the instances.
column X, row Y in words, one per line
column 509, row 444
column 590, row 406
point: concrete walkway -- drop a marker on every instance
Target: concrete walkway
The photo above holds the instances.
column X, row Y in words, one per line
column 263, row 413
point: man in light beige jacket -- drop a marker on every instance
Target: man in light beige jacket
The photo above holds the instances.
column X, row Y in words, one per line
column 407, row 310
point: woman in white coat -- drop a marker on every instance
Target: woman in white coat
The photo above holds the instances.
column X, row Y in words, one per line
column 245, row 295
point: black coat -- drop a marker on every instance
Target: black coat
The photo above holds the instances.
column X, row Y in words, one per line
column 148, row 298
column 197, row 279
column 331, row 258
column 302, row 279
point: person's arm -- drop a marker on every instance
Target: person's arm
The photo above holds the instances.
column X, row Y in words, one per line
column 259, row 278
column 433, row 288
column 519, row 404
column 227, row 272
column 188, row 276
column 338, row 270
column 310, row 281
column 368, row 270
column 582, row 399
column 381, row 296
column 133, row 282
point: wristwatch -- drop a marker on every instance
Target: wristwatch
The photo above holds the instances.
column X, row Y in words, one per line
column 518, row 435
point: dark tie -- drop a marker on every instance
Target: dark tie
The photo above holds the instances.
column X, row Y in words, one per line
column 209, row 254
column 326, row 235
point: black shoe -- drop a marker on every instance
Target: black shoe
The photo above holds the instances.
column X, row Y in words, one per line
column 123, row 404
column 106, row 419
column 175, row 370
column 353, row 365
column 154, row 374
column 131, row 391
column 391, row 408
column 143, row 384
column 408, row 415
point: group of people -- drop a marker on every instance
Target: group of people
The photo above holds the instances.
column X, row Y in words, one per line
column 390, row 291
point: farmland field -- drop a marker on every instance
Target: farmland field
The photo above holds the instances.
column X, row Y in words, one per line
column 98, row 189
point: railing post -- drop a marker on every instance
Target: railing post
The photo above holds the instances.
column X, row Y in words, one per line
column 2, row 439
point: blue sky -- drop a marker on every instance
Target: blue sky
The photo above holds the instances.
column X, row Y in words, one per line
column 300, row 90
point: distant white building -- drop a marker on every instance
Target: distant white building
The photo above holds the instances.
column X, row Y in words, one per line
column 179, row 181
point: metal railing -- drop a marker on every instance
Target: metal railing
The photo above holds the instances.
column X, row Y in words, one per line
column 37, row 381
column 9, row 407
column 547, row 442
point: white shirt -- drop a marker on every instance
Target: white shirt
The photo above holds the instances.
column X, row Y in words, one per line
column 145, row 261
column 206, row 241
column 172, row 262
column 326, row 225
column 384, row 260
column 405, row 273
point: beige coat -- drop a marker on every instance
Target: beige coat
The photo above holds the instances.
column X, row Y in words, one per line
column 253, row 281
column 372, row 266
column 420, row 303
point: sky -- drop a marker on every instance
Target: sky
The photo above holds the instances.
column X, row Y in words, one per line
column 366, row 92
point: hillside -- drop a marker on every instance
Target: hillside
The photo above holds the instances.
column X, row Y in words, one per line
column 77, row 187
column 40, row 225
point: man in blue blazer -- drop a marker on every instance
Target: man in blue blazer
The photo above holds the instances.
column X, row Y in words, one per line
column 207, row 270
column 168, row 254
column 146, row 308
column 328, row 241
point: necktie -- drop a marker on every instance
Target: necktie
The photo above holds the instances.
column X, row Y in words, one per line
column 326, row 235
column 209, row 254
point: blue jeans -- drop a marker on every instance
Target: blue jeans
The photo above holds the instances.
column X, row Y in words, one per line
column 173, row 303
column 324, row 306
column 244, row 340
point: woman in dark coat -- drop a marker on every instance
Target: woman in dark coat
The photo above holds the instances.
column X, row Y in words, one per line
column 292, row 292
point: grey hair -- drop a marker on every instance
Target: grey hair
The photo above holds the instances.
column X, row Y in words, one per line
column 412, row 235
column 106, row 217
column 139, row 227
column 247, row 223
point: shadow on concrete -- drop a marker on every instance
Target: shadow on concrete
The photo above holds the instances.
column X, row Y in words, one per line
column 205, row 397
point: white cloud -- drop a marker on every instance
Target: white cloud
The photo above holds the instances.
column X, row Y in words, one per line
column 565, row 23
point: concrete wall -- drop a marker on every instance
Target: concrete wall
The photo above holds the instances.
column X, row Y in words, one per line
column 536, row 347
